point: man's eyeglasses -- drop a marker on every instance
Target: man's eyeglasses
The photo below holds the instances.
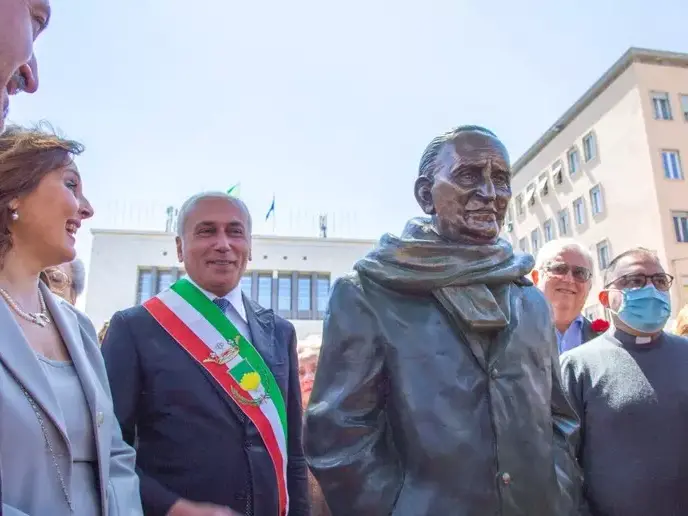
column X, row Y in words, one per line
column 559, row 270
column 661, row 281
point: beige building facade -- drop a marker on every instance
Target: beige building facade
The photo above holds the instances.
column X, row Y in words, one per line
column 611, row 172
column 291, row 275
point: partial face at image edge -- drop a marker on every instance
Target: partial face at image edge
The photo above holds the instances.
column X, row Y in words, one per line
column 21, row 22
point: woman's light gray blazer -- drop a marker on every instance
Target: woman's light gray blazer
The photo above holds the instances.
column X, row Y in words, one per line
column 30, row 481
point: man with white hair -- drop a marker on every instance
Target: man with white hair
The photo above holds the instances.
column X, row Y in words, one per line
column 563, row 272
column 207, row 381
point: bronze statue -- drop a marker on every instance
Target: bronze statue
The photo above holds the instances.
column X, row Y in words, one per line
column 438, row 388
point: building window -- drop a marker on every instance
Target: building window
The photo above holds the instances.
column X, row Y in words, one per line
column 523, row 245
column 548, row 230
column 151, row 281
column 284, row 294
column 574, row 161
column 322, row 294
column 661, row 105
column 535, row 240
column 558, row 172
column 563, row 217
column 543, row 184
column 603, row 255
column 579, row 211
column 596, row 202
column 671, row 162
column 589, row 147
column 265, row 290
column 519, row 204
column 146, row 287
column 530, row 195
column 681, row 226
column 304, row 297
column 245, row 284
column 166, row 279
column 293, row 295
column 684, row 106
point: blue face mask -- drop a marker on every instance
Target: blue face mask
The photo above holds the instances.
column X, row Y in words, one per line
column 644, row 309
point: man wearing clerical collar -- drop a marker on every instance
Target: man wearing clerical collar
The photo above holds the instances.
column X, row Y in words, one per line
column 437, row 389
column 630, row 388
column 206, row 381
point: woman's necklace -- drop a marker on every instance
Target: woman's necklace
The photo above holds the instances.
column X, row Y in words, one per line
column 40, row 318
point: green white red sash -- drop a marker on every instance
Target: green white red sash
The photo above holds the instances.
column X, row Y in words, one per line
column 204, row 332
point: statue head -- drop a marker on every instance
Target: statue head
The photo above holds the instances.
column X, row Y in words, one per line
column 464, row 184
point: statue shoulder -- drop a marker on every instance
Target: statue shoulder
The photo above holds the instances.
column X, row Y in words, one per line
column 356, row 294
column 534, row 300
column 346, row 288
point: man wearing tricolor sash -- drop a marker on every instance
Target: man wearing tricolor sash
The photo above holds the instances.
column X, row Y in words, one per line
column 206, row 381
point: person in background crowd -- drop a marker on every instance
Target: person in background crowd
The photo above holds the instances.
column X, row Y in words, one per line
column 308, row 361
column 61, row 450
column 309, row 351
column 681, row 325
column 630, row 389
column 67, row 280
column 208, row 381
column 21, row 22
column 103, row 332
column 563, row 272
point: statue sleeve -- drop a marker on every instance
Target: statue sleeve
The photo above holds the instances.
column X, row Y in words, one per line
column 347, row 439
column 567, row 434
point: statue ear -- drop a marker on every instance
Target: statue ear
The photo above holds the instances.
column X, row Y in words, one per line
column 180, row 252
column 423, row 191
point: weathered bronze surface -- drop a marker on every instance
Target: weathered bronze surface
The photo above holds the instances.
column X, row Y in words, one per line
column 437, row 390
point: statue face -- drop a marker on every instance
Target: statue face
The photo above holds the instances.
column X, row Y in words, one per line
column 471, row 189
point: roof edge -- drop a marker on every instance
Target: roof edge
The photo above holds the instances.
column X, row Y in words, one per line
column 632, row 55
column 157, row 233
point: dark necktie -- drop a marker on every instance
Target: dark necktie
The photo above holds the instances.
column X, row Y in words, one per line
column 223, row 305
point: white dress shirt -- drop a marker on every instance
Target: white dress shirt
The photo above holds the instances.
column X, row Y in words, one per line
column 236, row 313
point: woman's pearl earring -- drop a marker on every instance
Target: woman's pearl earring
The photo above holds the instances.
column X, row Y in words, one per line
column 14, row 215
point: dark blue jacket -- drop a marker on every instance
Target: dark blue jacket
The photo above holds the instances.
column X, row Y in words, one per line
column 193, row 441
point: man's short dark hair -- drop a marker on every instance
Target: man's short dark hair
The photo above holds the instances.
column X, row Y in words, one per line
column 614, row 264
column 427, row 161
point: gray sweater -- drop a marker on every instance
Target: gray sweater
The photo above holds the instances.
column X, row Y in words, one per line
column 632, row 399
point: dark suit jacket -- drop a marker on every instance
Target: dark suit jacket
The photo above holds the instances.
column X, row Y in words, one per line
column 193, row 440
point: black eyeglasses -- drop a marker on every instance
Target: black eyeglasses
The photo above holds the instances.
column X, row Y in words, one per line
column 661, row 281
column 579, row 274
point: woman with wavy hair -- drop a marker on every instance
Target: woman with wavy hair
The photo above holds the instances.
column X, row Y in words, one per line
column 61, row 449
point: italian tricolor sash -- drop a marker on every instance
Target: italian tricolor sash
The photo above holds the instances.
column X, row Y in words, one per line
column 206, row 334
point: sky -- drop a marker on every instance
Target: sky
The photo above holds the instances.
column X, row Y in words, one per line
column 327, row 106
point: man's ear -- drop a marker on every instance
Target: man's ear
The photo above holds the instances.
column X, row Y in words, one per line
column 180, row 255
column 423, row 192
column 535, row 276
column 604, row 298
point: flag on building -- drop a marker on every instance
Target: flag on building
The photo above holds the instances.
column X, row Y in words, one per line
column 271, row 211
